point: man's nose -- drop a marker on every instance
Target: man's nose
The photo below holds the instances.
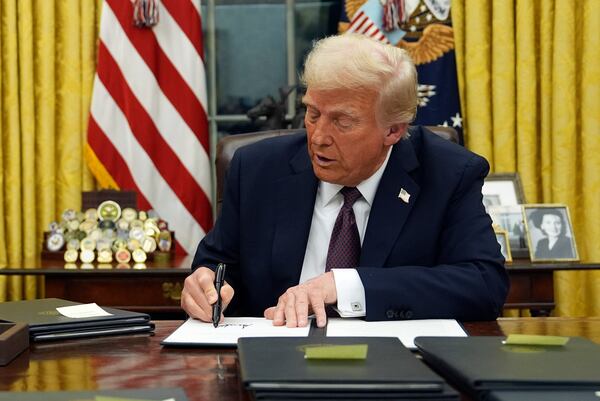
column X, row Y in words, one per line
column 321, row 134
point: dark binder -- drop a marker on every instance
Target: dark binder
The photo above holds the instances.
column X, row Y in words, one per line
column 154, row 394
column 483, row 363
column 275, row 368
column 46, row 324
column 548, row 395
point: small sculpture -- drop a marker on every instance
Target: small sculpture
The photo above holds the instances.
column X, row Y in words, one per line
column 275, row 111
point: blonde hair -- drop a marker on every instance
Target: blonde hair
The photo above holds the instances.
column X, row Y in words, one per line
column 357, row 62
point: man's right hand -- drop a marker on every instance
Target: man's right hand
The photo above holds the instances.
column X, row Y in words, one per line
column 199, row 294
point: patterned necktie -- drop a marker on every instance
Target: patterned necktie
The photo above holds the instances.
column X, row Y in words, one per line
column 344, row 245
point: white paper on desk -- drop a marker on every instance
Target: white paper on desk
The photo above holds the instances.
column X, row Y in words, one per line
column 405, row 330
column 229, row 330
column 83, row 310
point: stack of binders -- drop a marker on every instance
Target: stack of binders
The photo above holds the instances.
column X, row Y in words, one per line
column 276, row 369
column 47, row 324
column 488, row 369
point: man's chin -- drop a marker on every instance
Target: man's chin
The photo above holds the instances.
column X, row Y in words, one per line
column 325, row 174
column 330, row 176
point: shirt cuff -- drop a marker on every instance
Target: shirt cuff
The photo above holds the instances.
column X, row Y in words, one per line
column 350, row 293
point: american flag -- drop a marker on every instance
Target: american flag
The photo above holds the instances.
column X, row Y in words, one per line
column 148, row 128
column 368, row 20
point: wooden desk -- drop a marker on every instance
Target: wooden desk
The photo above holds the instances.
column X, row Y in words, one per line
column 152, row 287
column 205, row 374
column 156, row 288
column 532, row 285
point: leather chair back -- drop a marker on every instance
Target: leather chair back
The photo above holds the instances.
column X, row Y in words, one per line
column 229, row 144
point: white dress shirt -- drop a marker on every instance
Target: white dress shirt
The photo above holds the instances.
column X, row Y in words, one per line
column 329, row 201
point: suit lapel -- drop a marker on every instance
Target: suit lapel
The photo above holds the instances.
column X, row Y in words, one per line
column 389, row 211
column 295, row 202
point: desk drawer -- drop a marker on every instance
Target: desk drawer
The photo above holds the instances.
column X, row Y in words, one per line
column 151, row 293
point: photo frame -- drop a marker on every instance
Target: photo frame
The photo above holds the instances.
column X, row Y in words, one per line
column 502, row 189
column 550, row 234
column 510, row 218
column 502, row 238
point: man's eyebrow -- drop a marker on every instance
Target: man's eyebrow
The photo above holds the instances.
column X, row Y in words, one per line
column 350, row 112
column 341, row 111
column 306, row 101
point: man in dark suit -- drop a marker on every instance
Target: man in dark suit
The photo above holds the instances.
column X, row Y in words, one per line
column 362, row 213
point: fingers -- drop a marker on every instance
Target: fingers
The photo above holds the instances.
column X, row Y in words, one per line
column 291, row 309
column 294, row 306
column 279, row 314
column 270, row 312
column 206, row 285
column 193, row 298
column 318, row 307
column 199, row 294
column 227, row 293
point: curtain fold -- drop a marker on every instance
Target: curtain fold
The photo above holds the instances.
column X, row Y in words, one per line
column 47, row 62
column 531, row 96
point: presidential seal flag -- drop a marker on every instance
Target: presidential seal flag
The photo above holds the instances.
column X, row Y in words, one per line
column 424, row 29
column 148, row 128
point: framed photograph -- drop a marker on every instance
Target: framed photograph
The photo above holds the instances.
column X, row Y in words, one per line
column 502, row 190
column 510, row 219
column 502, row 238
column 549, row 233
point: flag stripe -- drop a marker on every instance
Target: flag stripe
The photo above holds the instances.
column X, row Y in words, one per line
column 157, row 191
column 109, row 156
column 146, row 89
column 188, row 18
column 148, row 126
column 182, row 55
column 172, row 84
column 358, row 22
column 142, row 126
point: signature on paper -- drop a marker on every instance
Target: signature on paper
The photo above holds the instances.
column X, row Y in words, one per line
column 240, row 325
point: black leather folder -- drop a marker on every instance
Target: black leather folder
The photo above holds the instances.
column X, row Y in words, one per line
column 154, row 394
column 548, row 395
column 481, row 364
column 46, row 324
column 275, row 368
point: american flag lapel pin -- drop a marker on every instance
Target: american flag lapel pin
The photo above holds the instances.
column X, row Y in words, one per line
column 405, row 196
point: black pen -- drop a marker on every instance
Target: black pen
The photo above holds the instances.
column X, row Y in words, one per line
column 219, row 280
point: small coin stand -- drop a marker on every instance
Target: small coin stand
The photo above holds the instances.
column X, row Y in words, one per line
column 14, row 339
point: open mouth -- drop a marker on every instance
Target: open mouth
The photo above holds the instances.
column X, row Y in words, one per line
column 321, row 160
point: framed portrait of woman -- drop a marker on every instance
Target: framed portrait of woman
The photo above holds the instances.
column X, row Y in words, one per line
column 550, row 233
column 502, row 238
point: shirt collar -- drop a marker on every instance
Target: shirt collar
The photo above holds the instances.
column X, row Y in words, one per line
column 367, row 188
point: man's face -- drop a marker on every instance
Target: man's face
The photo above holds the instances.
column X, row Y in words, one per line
column 346, row 144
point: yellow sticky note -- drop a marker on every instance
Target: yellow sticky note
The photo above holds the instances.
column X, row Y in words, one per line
column 530, row 339
column 353, row 351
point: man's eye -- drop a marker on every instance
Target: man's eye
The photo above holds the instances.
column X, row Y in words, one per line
column 312, row 116
column 344, row 123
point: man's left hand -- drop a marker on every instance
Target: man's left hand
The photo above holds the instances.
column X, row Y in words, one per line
column 299, row 301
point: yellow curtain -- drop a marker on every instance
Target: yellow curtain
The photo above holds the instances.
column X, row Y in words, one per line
column 529, row 78
column 47, row 64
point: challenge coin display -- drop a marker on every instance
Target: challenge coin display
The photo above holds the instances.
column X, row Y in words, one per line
column 87, row 256
column 109, row 210
column 139, row 256
column 108, row 234
column 55, row 242
column 71, row 255
column 122, row 255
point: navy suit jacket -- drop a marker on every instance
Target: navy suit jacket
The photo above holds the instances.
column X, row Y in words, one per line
column 433, row 257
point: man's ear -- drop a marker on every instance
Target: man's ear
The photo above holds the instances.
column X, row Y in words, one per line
column 395, row 133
